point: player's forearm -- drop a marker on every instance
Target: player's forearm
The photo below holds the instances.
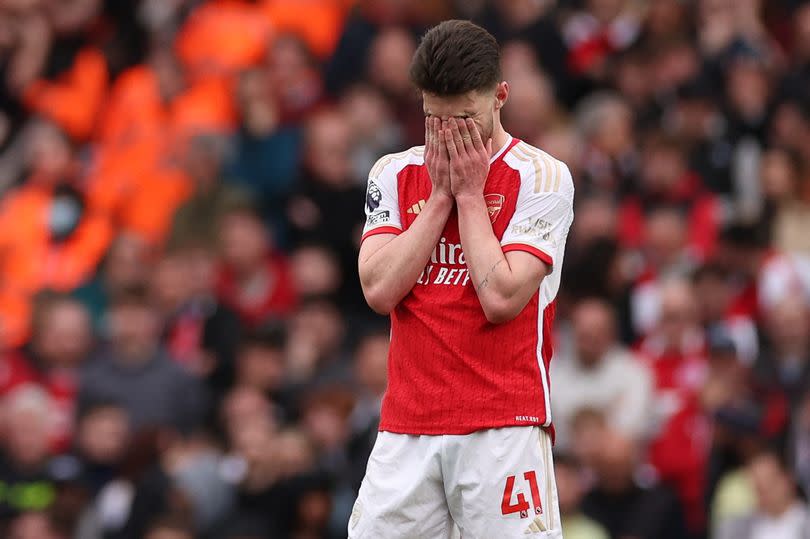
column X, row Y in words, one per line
column 388, row 274
column 489, row 268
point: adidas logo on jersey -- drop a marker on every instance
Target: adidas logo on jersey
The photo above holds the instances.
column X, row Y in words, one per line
column 535, row 527
column 418, row 207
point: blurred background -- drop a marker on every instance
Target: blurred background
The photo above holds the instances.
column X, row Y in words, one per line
column 186, row 352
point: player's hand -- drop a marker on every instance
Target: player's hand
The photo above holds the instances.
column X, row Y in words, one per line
column 436, row 157
column 469, row 157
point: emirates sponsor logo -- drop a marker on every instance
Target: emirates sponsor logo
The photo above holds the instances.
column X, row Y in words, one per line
column 494, row 203
column 445, row 254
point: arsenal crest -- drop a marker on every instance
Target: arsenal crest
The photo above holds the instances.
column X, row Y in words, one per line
column 494, row 204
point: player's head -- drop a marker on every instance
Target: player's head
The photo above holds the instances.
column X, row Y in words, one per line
column 457, row 67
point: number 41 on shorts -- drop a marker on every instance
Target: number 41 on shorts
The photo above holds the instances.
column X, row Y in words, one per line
column 521, row 505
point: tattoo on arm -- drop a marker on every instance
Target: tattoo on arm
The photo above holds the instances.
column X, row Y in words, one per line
column 483, row 284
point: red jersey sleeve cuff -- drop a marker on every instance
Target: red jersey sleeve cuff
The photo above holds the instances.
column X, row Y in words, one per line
column 532, row 250
column 381, row 230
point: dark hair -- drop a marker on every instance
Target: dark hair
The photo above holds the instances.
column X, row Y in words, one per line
column 174, row 521
column 133, row 296
column 87, row 407
column 270, row 336
column 745, row 236
column 663, row 142
column 710, row 270
column 455, row 57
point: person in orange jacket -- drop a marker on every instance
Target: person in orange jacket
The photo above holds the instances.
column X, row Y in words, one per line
column 50, row 237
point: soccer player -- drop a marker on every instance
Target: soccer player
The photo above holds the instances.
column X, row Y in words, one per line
column 463, row 246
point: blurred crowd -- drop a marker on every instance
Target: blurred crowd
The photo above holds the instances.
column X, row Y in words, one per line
column 186, row 353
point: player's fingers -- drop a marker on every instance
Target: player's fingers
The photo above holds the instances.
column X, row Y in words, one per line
column 428, row 129
column 449, row 138
column 489, row 147
column 436, row 138
column 476, row 136
column 466, row 137
column 457, row 139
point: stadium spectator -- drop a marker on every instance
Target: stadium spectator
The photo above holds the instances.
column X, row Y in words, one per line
column 371, row 372
column 675, row 353
column 292, row 73
column 745, row 415
column 609, row 159
column 785, row 361
column 719, row 314
column 49, row 218
column 60, row 345
column 33, row 525
column 602, row 375
column 102, row 436
column 135, row 371
column 127, row 265
column 571, row 488
column 534, row 109
column 260, row 365
column 316, row 270
column 315, row 348
column 784, row 186
column 623, row 506
column 779, row 511
column 255, row 280
column 266, row 152
column 25, row 453
column 195, row 218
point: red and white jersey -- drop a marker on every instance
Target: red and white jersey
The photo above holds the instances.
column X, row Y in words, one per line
column 449, row 370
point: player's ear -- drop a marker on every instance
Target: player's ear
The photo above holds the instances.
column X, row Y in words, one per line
column 501, row 94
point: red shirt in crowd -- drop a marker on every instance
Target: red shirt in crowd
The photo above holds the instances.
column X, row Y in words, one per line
column 61, row 385
column 269, row 293
column 680, row 445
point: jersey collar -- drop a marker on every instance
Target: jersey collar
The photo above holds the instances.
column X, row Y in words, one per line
column 502, row 149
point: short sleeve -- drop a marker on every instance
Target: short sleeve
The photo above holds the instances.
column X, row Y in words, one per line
column 382, row 200
column 540, row 223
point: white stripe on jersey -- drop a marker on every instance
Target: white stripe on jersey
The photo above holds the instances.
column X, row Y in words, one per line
column 542, row 305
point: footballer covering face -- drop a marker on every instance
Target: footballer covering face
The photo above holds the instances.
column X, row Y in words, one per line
column 463, row 248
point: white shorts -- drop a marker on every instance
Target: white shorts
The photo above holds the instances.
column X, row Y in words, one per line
column 491, row 484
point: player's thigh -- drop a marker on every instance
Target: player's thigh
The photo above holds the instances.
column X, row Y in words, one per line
column 500, row 483
column 402, row 496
